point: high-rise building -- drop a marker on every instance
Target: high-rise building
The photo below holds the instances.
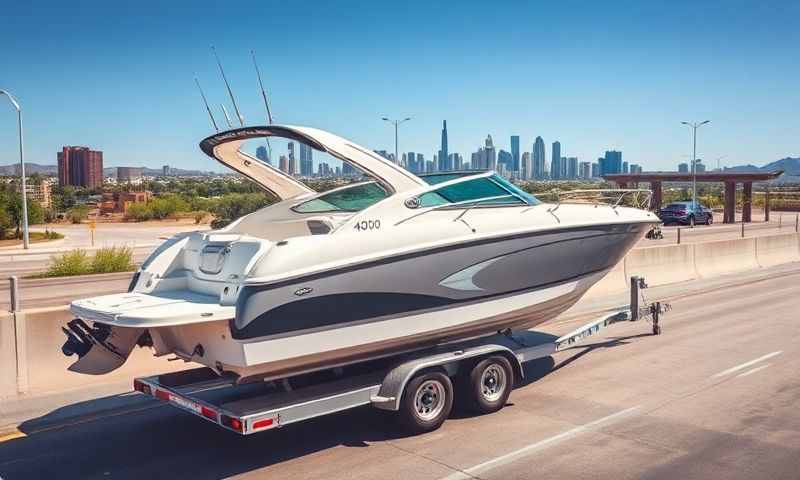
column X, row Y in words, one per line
column 634, row 168
column 422, row 165
column 586, row 170
column 306, row 161
column 80, row 167
column 539, row 163
column 515, row 153
column 683, row 167
column 262, row 154
column 490, row 160
column 612, row 163
column 348, row 170
column 596, row 169
column 456, row 161
column 505, row 160
column 699, row 166
column 572, row 167
column 411, row 162
column 283, row 164
column 165, row 170
column 555, row 161
column 563, row 165
column 443, row 158
column 129, row 175
column 526, row 166
column 624, row 167
column 382, row 153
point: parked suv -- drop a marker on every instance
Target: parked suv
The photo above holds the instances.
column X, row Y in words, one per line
column 686, row 213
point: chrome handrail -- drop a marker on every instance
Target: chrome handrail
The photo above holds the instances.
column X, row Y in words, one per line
column 639, row 197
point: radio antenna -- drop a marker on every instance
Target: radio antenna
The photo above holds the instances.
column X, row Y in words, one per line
column 228, row 86
column 205, row 102
column 225, row 112
column 261, row 84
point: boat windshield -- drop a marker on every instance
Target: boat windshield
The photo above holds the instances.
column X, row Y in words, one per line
column 492, row 190
column 348, row 199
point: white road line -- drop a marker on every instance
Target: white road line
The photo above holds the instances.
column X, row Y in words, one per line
column 747, row 364
column 750, row 372
column 470, row 473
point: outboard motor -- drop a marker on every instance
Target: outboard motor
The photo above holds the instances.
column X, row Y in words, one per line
column 100, row 348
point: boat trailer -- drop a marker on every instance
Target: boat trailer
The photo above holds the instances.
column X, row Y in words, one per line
column 416, row 385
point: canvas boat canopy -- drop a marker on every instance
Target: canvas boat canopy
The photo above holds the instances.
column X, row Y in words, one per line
column 225, row 147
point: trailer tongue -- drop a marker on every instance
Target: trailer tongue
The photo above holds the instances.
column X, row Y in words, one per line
column 417, row 385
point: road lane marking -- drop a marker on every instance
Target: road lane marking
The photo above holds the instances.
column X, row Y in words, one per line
column 15, row 433
column 746, row 364
column 757, row 369
column 472, row 472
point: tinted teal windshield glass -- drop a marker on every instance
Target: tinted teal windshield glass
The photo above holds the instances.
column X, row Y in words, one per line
column 516, row 190
column 352, row 199
column 492, row 190
column 433, row 179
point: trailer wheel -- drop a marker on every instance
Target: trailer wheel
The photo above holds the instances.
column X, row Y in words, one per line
column 427, row 401
column 490, row 384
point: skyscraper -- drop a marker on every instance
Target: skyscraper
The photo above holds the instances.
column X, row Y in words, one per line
column 563, row 164
column 612, row 162
column 262, row 154
column 526, row 166
column 411, row 162
column 443, row 157
column 572, row 168
column 490, row 161
column 683, row 167
column 586, row 170
column 306, row 161
column 514, row 153
column 505, row 160
column 555, row 161
column 539, row 163
column 80, row 167
column 283, row 164
column 624, row 167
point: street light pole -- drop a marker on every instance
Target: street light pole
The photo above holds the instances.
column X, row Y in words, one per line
column 25, row 237
column 396, row 123
column 694, row 126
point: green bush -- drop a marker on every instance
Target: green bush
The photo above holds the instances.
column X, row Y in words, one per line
column 138, row 212
column 112, row 260
column 75, row 262
column 78, row 213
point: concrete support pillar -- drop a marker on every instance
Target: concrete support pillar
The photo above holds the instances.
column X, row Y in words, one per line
column 655, row 201
column 766, row 204
column 622, row 184
column 747, row 202
column 729, row 216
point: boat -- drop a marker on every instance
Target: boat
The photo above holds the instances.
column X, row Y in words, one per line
column 394, row 263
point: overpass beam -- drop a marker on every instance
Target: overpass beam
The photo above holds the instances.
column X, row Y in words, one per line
column 655, row 202
column 747, row 202
column 729, row 215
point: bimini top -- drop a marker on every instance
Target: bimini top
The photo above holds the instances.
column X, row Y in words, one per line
column 225, row 148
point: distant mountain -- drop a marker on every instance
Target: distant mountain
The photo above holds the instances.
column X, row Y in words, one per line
column 30, row 168
column 52, row 170
column 789, row 165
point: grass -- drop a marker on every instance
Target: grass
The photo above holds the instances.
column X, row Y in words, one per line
column 78, row 262
column 36, row 237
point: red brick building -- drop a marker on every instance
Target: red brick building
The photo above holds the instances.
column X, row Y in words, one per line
column 80, row 167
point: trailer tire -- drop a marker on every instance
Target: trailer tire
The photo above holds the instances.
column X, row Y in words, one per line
column 490, row 384
column 427, row 402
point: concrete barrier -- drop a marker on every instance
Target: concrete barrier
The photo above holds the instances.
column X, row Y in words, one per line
column 614, row 282
column 42, row 367
column 777, row 249
column 662, row 265
column 8, row 360
column 725, row 256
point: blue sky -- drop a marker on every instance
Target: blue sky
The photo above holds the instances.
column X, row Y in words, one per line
column 118, row 75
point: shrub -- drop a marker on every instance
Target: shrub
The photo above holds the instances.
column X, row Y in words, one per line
column 218, row 223
column 78, row 213
column 138, row 212
column 75, row 262
column 112, row 260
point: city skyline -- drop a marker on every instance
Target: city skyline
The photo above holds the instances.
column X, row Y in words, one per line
column 623, row 86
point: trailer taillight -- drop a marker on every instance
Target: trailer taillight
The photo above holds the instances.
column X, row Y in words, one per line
column 141, row 387
column 264, row 423
column 233, row 423
column 208, row 413
column 162, row 395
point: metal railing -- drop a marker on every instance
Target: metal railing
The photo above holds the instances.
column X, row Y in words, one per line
column 636, row 198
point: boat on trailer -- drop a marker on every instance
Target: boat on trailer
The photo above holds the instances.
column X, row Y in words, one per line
column 397, row 263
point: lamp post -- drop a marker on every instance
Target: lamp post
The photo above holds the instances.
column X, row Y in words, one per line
column 694, row 126
column 25, row 238
column 396, row 123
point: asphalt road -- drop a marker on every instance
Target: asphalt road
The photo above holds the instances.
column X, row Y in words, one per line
column 715, row 396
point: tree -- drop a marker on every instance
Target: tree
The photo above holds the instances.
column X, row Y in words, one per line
column 35, row 212
column 78, row 213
